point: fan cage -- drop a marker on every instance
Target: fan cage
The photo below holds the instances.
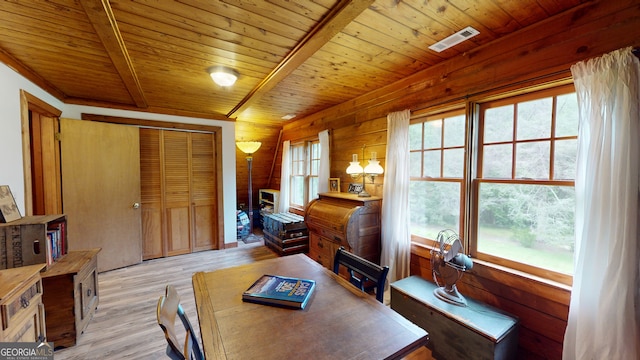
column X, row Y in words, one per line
column 447, row 291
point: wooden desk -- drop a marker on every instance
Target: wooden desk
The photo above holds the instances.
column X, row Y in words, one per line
column 339, row 322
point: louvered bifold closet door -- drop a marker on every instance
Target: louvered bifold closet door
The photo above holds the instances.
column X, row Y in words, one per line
column 177, row 184
column 203, row 191
column 179, row 203
column 151, row 194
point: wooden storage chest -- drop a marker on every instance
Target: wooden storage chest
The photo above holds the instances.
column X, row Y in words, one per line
column 477, row 331
column 286, row 233
column 70, row 296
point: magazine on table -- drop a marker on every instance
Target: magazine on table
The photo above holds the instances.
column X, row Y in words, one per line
column 280, row 291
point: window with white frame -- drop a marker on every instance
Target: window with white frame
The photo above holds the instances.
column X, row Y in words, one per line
column 305, row 163
column 510, row 190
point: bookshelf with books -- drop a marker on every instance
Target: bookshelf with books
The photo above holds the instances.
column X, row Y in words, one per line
column 38, row 239
column 70, row 278
column 268, row 201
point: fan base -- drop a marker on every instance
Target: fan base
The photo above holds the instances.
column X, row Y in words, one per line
column 451, row 296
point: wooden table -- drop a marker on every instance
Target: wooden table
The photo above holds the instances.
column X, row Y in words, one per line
column 339, row 322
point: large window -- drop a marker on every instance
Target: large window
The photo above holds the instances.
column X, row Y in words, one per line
column 437, row 158
column 305, row 163
column 510, row 190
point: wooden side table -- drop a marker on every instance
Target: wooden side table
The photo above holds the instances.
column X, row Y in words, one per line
column 70, row 296
column 477, row 331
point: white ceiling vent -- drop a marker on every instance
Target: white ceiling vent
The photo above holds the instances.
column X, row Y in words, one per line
column 454, row 39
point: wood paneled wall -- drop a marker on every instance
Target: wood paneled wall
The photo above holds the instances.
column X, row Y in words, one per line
column 263, row 159
column 536, row 55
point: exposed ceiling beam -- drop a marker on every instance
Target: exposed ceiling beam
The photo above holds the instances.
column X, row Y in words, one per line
column 340, row 16
column 101, row 16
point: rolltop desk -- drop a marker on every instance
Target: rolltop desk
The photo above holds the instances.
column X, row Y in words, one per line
column 337, row 219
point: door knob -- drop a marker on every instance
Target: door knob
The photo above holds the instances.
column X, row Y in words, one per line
column 136, row 205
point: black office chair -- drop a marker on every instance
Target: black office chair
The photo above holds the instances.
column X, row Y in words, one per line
column 362, row 272
column 168, row 307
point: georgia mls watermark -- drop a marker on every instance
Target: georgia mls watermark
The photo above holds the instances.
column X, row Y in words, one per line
column 26, row 351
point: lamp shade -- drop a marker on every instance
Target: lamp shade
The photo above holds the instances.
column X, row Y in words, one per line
column 354, row 168
column 248, row 147
column 373, row 168
column 223, row 76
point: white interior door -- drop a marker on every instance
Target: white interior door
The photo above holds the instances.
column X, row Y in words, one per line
column 101, row 190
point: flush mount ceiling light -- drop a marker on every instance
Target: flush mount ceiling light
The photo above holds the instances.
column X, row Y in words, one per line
column 454, row 39
column 223, row 76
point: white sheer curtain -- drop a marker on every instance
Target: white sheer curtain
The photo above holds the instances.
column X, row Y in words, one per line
column 285, row 175
column 325, row 162
column 396, row 236
column 603, row 318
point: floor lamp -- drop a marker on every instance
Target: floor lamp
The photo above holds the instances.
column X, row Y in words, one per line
column 249, row 147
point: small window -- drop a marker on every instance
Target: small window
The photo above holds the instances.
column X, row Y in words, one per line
column 297, row 175
column 313, row 170
column 305, row 163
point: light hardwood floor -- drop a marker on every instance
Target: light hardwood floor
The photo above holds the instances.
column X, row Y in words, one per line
column 124, row 326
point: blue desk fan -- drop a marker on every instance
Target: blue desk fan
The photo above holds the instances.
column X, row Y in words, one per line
column 448, row 263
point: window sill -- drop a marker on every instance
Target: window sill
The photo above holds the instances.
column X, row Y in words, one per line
column 508, row 276
column 296, row 210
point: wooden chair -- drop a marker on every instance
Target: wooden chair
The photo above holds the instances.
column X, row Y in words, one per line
column 361, row 271
column 168, row 307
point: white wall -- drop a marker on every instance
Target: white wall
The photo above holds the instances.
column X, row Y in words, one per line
column 11, row 164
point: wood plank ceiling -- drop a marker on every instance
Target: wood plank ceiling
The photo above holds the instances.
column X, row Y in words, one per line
column 294, row 57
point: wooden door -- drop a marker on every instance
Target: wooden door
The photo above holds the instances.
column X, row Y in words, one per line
column 101, row 188
column 45, row 165
column 41, row 156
